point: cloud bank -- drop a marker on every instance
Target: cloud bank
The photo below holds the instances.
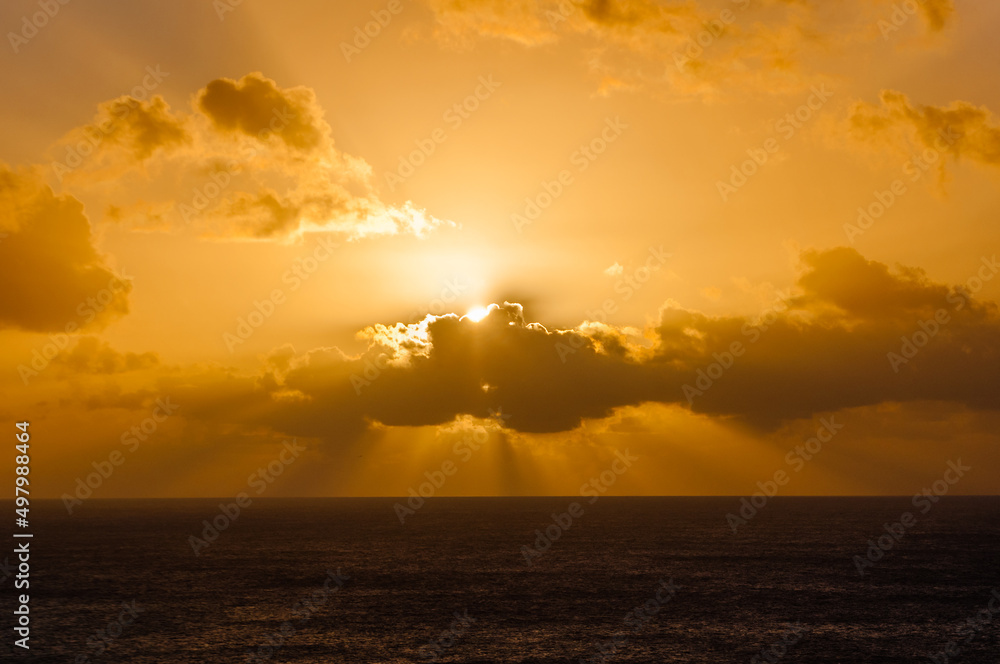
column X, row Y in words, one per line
column 853, row 333
column 691, row 48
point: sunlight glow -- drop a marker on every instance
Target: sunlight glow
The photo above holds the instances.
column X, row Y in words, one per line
column 476, row 314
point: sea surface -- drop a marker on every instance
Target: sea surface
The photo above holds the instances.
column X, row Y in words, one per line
column 452, row 583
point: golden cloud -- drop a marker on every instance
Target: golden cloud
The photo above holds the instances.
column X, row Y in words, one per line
column 255, row 106
column 960, row 129
column 51, row 275
column 251, row 160
column 937, row 13
column 92, row 356
column 854, row 334
column 698, row 48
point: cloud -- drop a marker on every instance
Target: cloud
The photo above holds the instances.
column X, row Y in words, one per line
column 631, row 41
column 690, row 48
column 532, row 23
column 523, row 21
column 251, row 160
column 145, row 125
column 834, row 347
column 90, row 355
column 712, row 293
column 826, row 347
column 937, row 13
column 859, row 289
column 960, row 129
column 51, row 276
column 125, row 133
column 254, row 105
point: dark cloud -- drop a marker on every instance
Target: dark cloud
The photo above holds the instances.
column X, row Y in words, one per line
column 256, row 106
column 146, row 125
column 865, row 290
column 937, row 13
column 51, row 275
column 827, row 348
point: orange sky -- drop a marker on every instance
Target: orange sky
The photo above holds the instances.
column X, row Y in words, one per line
column 710, row 229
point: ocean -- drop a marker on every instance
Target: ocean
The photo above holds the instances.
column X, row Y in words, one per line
column 621, row 580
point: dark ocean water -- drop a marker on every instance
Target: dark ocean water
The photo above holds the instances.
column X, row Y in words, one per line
column 790, row 566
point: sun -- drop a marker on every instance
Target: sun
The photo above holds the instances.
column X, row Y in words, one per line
column 476, row 314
